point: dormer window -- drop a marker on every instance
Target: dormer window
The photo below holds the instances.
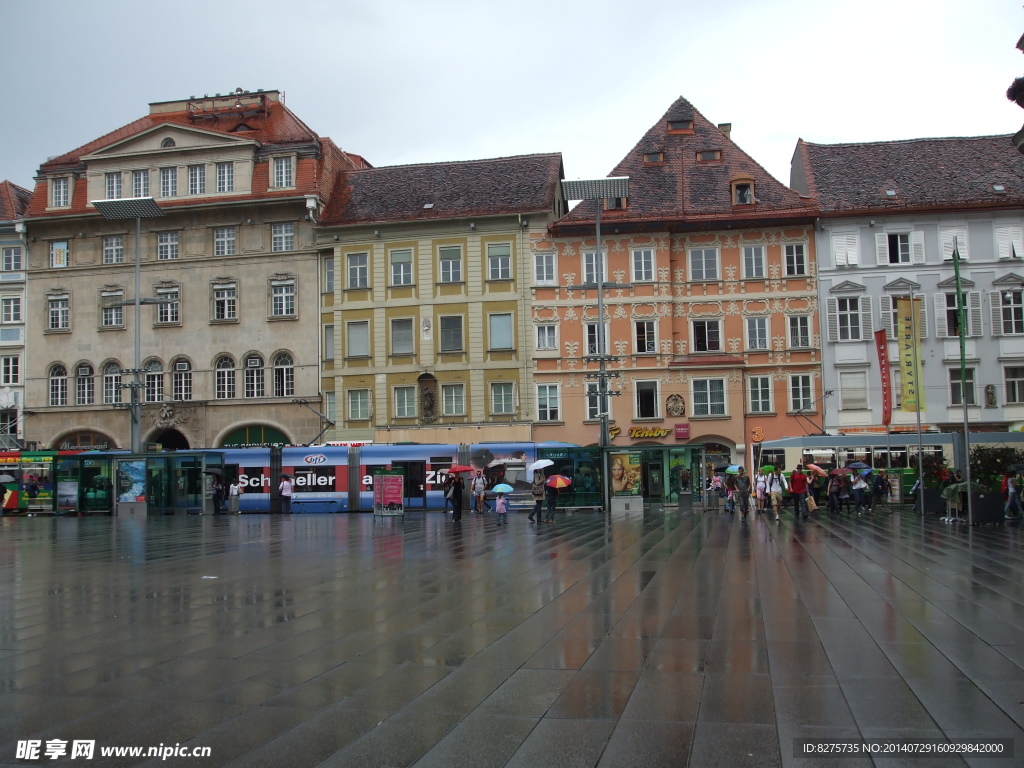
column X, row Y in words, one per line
column 743, row 193
column 168, row 142
column 709, row 156
column 60, row 192
column 680, row 126
column 654, row 158
column 615, row 203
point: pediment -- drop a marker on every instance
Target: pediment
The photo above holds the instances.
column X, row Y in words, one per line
column 847, row 286
column 1012, row 280
column 151, row 141
column 949, row 284
column 902, row 285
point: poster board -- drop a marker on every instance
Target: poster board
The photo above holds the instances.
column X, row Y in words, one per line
column 388, row 491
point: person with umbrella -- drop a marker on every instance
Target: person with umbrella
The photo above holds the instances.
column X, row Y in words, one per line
column 537, row 492
column 458, row 491
column 554, row 483
column 859, row 488
column 501, row 503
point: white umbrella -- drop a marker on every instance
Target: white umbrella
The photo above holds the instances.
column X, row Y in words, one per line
column 539, row 464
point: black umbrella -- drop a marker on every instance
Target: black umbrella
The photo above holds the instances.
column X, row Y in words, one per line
column 1015, row 468
column 722, row 467
column 214, row 471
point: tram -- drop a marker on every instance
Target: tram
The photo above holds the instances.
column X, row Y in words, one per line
column 28, row 480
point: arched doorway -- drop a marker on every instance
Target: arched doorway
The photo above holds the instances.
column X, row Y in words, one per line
column 171, row 440
column 253, row 435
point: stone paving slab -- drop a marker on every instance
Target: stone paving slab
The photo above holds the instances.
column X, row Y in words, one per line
column 672, row 638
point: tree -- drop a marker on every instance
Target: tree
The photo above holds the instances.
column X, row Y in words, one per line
column 989, row 463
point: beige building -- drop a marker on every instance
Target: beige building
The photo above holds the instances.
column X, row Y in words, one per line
column 426, row 314
column 231, row 352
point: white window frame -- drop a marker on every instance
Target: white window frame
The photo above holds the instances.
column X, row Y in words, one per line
column 405, row 402
column 154, row 383
column 254, row 383
column 329, row 274
column 795, row 255
column 499, row 265
column 85, row 385
column 545, row 268
column 112, row 185
column 329, row 341
column 592, row 339
column 549, row 402
column 442, row 320
column 226, row 378
column 645, row 386
column 805, row 332
column 914, row 253
column 12, row 259
column 591, row 266
column 853, row 391
column 862, row 314
column 643, row 265
column 503, row 398
column 226, row 177
column 453, row 399
column 710, row 269
column 111, row 317
column 972, row 301
column 140, row 183
column 112, row 383
column 500, row 332
column 225, row 241
column 955, row 393
column 225, row 302
column 169, row 182
column 759, row 394
column 403, row 328
column 168, row 313
column 1013, row 384
column 592, row 395
column 59, row 313
column 357, row 339
column 58, row 385
column 284, row 172
column 1007, row 312
column 60, row 192
column 283, row 301
column 400, row 260
column 10, row 309
column 706, row 324
column 754, row 262
column 10, row 370
column 889, row 320
column 284, row 375
column 358, row 402
column 282, row 237
column 547, row 337
column 801, row 392
column 645, row 337
column 197, row 179
column 449, row 263
column 708, row 397
column 113, row 249
column 167, row 246
column 758, row 333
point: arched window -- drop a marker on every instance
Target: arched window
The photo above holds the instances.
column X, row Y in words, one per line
column 58, row 385
column 85, row 385
column 112, row 383
column 225, row 385
column 154, row 381
column 181, row 380
column 254, row 383
column 168, row 142
column 284, row 375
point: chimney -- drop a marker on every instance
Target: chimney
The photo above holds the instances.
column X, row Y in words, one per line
column 725, row 128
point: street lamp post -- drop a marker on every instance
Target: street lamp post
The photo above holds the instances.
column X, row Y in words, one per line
column 137, row 208
column 600, row 190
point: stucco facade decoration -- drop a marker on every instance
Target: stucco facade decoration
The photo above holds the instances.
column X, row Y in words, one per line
column 14, row 201
column 890, row 215
column 426, row 315
column 241, row 182
column 714, row 336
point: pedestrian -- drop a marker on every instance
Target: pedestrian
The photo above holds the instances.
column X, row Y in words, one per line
column 916, row 495
column 552, row 492
column 1012, row 496
column 234, row 491
column 501, row 509
column 859, row 488
column 218, row 495
column 537, row 491
column 285, row 489
column 446, row 487
column 458, row 491
column 954, row 502
column 730, row 493
column 845, row 494
column 761, row 489
column 835, row 487
column 742, row 492
column 880, row 490
column 776, row 486
column 479, row 489
column 798, row 487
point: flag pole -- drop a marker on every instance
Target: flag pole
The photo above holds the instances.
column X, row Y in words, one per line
column 962, row 317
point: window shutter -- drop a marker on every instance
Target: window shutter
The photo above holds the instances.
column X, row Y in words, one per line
column 866, row 326
column 1003, row 248
column 1017, row 242
column 917, row 248
column 948, row 236
column 839, row 250
column 974, row 313
column 881, row 248
column 922, row 327
column 885, row 307
column 941, row 329
column 832, row 310
column 852, row 245
column 996, row 305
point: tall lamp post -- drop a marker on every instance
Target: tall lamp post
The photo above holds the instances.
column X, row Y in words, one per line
column 137, row 208
column 600, row 190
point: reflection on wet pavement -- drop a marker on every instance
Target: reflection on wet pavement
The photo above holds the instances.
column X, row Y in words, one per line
column 648, row 639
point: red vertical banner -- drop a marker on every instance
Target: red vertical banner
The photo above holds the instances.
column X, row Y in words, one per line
column 882, row 345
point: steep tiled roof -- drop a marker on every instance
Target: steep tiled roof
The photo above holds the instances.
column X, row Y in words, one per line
column 277, row 127
column 686, row 192
column 924, row 173
column 14, row 201
column 504, row 185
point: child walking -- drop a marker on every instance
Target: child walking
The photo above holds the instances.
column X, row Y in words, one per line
column 501, row 507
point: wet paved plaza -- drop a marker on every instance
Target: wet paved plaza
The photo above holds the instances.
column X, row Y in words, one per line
column 652, row 639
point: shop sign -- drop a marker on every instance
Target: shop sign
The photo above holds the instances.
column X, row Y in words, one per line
column 682, row 431
column 648, row 432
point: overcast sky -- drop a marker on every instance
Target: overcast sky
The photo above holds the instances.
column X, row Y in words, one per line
column 413, row 81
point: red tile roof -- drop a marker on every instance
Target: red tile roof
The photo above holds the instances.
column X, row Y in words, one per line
column 504, row 185
column 929, row 174
column 14, row 201
column 277, row 127
column 681, row 192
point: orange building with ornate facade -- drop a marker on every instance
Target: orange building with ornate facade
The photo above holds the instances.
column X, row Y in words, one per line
column 713, row 327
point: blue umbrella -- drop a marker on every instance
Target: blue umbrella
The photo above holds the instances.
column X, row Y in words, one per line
column 865, row 472
column 503, row 488
column 732, row 469
column 858, row 465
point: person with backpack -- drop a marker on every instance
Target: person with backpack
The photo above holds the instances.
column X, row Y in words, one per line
column 880, row 491
column 777, row 485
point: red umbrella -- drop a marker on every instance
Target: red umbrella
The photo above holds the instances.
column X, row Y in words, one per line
column 841, row 471
column 558, row 481
column 817, row 470
column 455, row 469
